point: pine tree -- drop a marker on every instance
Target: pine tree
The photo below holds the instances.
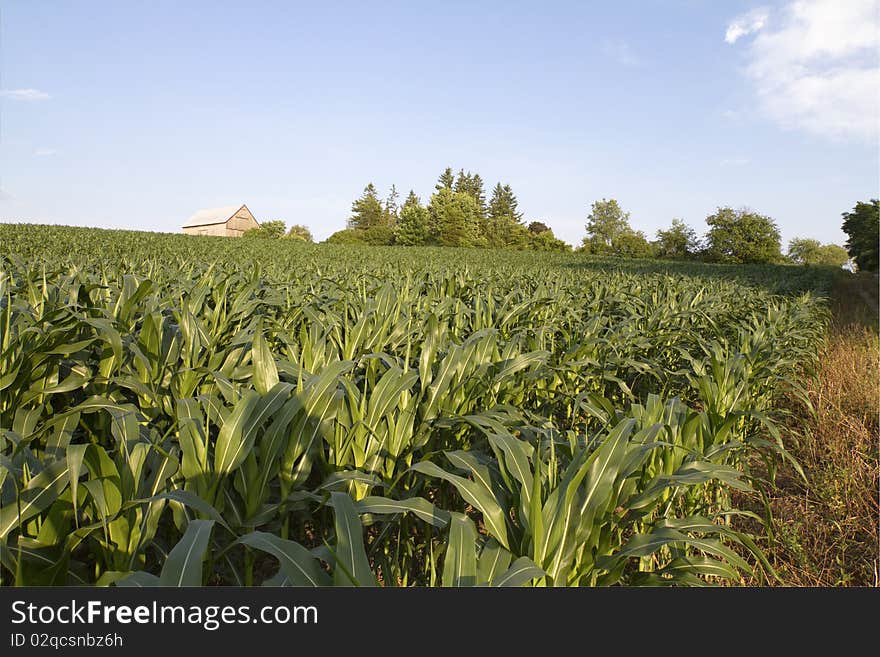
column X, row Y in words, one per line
column 472, row 185
column 446, row 180
column 412, row 227
column 454, row 219
column 391, row 209
column 503, row 225
column 367, row 212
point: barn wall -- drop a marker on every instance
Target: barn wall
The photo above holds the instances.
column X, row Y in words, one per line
column 218, row 230
column 241, row 221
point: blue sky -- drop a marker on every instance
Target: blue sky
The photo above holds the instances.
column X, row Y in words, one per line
column 135, row 115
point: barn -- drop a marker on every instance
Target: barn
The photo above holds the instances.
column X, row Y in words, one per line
column 228, row 221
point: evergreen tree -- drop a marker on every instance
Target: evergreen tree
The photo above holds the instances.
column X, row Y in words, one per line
column 503, row 225
column 391, row 209
column 412, row 227
column 504, row 204
column 472, row 185
column 446, row 180
column 367, row 211
column 454, row 219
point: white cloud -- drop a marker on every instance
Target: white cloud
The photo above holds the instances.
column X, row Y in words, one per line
column 45, row 152
column 24, row 94
column 814, row 67
column 748, row 23
column 734, row 162
column 621, row 52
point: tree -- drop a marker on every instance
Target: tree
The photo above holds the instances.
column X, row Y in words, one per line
column 347, row 236
column 454, row 219
column 300, row 232
column 605, row 223
column 805, row 251
column 367, row 211
column 631, row 244
column 538, row 227
column 412, row 227
column 545, row 240
column 391, row 209
column 267, row 230
column 446, row 180
column 832, row 254
column 862, row 226
column 678, row 242
column 742, row 236
column 472, row 184
column 503, row 223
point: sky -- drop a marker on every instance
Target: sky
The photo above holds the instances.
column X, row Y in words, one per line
column 136, row 115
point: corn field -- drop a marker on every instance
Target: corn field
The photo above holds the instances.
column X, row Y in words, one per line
column 181, row 410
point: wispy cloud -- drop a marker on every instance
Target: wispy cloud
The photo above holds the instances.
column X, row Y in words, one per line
column 45, row 152
column 5, row 195
column 747, row 23
column 814, row 67
column 621, row 52
column 734, row 162
column 24, row 94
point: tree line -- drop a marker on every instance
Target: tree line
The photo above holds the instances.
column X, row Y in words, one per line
column 738, row 236
column 459, row 214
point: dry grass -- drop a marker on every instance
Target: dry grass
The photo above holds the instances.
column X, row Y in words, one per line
column 825, row 532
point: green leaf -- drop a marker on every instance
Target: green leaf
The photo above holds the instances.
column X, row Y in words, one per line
column 460, row 561
column 418, row 506
column 232, row 448
column 474, row 494
column 297, row 563
column 183, row 567
column 265, row 371
column 350, row 553
column 521, row 571
column 37, row 496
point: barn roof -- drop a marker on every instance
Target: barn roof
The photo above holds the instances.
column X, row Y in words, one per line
column 210, row 216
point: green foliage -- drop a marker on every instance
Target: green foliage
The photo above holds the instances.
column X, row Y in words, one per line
column 631, row 244
column 181, row 412
column 862, row 226
column 546, row 241
column 803, row 251
column 267, row 230
column 605, row 223
column 347, row 236
column 454, row 219
column 412, row 227
column 742, row 236
column 678, row 242
column 503, row 225
column 378, row 235
column 391, row 209
column 538, row 227
column 300, row 233
column 367, row 211
column 472, row 185
column 446, row 180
